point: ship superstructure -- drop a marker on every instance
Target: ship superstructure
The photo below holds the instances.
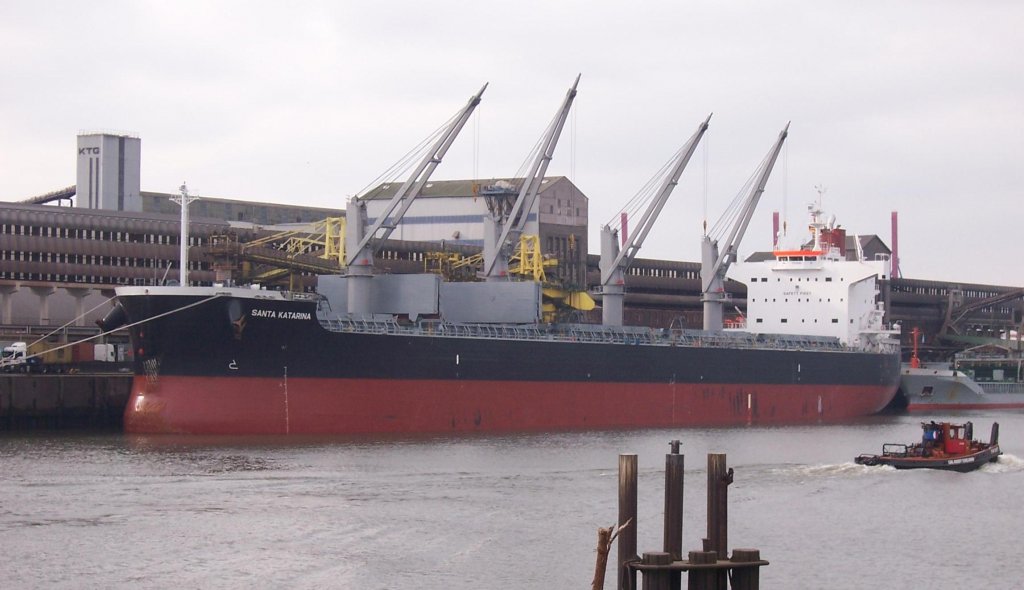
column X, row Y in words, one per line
column 815, row 290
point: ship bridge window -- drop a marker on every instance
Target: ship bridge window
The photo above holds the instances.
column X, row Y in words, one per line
column 835, row 320
column 828, row 279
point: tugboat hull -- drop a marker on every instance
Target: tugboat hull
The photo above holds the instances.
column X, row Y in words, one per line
column 960, row 464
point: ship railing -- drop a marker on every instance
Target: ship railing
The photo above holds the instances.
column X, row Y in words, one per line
column 582, row 333
column 998, row 388
column 363, row 325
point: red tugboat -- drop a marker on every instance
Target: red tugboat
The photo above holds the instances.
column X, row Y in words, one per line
column 943, row 446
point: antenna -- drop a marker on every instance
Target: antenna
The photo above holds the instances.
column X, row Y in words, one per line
column 821, row 189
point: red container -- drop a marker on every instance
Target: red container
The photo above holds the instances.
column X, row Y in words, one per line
column 82, row 352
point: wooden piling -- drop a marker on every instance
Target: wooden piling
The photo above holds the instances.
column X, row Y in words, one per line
column 627, row 513
column 674, row 510
column 701, row 578
column 656, row 579
column 746, row 578
column 709, row 569
column 718, row 510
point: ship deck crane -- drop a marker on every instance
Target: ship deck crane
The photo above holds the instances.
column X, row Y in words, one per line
column 360, row 251
column 715, row 261
column 615, row 262
column 504, row 225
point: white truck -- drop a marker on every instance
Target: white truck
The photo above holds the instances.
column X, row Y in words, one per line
column 14, row 357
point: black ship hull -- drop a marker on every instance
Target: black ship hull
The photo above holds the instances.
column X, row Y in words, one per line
column 208, row 363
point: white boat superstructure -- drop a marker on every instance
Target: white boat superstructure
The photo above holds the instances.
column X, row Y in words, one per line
column 815, row 290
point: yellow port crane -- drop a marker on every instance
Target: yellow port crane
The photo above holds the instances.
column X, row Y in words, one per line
column 318, row 249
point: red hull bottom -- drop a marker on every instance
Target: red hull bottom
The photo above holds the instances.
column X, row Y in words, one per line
column 199, row 405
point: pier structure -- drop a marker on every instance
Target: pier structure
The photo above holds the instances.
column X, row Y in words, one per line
column 709, row 568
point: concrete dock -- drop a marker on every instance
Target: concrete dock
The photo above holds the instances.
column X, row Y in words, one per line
column 57, row 402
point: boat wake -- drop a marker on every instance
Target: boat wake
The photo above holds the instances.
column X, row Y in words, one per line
column 849, row 468
column 1005, row 464
column 829, row 470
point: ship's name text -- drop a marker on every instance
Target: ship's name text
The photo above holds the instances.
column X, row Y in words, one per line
column 281, row 315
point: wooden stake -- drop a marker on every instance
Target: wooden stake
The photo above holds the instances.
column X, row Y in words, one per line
column 605, row 537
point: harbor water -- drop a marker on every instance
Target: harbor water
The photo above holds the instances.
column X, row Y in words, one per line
column 509, row 511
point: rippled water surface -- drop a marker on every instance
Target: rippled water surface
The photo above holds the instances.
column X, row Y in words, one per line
column 515, row 511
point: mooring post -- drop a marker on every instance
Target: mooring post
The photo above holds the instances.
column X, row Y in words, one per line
column 674, row 510
column 718, row 509
column 701, row 578
column 627, row 513
column 746, row 578
column 656, row 579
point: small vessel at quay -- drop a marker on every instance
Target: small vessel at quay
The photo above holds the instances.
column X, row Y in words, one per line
column 985, row 376
column 943, row 445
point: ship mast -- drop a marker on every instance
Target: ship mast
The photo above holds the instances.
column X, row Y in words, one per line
column 714, row 265
column 184, row 200
column 358, row 240
column 501, row 229
column 614, row 262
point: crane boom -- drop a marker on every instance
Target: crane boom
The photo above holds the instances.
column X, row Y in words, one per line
column 407, row 193
column 715, row 264
column 358, row 239
column 632, row 245
column 512, row 225
column 614, row 262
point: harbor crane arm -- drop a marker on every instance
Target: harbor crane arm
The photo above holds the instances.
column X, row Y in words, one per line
column 513, row 225
column 398, row 205
column 632, row 246
column 729, row 253
column 715, row 263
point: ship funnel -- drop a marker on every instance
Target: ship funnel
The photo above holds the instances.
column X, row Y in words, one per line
column 994, row 439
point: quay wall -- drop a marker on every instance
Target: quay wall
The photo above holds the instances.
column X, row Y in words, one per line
column 58, row 402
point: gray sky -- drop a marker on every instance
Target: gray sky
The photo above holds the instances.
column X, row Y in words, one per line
column 915, row 107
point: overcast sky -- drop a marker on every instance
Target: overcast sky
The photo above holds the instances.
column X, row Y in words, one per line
column 915, row 107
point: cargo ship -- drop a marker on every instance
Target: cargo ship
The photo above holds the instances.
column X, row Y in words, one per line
column 373, row 353
column 235, row 360
column 989, row 376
